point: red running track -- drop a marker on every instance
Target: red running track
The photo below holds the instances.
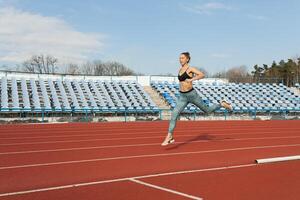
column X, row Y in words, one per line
column 117, row 160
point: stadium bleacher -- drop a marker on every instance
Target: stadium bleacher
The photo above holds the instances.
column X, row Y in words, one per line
column 73, row 95
column 244, row 97
column 31, row 94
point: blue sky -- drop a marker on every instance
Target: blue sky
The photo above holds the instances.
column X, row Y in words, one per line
column 148, row 36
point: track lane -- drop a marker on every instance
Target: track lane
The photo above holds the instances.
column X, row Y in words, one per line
column 180, row 142
column 197, row 144
column 142, row 135
column 135, row 140
column 125, row 134
column 118, row 126
column 149, row 129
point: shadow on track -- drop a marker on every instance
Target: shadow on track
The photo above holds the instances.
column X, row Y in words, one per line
column 203, row 137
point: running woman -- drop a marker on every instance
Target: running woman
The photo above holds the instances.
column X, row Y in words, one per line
column 188, row 94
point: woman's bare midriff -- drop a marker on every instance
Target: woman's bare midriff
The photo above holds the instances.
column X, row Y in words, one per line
column 185, row 86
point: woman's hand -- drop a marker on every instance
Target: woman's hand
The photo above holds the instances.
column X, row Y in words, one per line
column 199, row 74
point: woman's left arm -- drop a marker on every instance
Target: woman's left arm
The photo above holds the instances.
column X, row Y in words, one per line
column 199, row 74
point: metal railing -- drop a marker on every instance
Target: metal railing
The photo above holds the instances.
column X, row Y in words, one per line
column 87, row 115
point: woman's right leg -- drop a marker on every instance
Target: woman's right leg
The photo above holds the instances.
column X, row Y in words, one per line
column 181, row 103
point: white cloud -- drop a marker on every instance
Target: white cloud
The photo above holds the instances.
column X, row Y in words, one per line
column 206, row 8
column 23, row 34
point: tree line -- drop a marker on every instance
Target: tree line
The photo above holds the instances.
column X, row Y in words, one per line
column 286, row 72
column 47, row 64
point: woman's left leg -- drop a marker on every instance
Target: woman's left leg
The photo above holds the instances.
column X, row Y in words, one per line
column 180, row 105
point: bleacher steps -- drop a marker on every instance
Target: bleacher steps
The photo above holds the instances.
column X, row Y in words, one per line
column 157, row 99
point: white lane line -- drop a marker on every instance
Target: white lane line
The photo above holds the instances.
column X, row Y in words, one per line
column 145, row 156
column 125, row 179
column 88, row 140
column 137, row 133
column 166, row 189
column 194, row 171
column 145, row 144
column 124, row 138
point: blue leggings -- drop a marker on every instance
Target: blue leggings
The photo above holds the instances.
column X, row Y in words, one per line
column 181, row 103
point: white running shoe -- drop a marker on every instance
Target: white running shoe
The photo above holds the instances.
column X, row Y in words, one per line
column 168, row 140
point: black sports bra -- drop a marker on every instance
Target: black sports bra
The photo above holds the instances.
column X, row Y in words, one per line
column 183, row 76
